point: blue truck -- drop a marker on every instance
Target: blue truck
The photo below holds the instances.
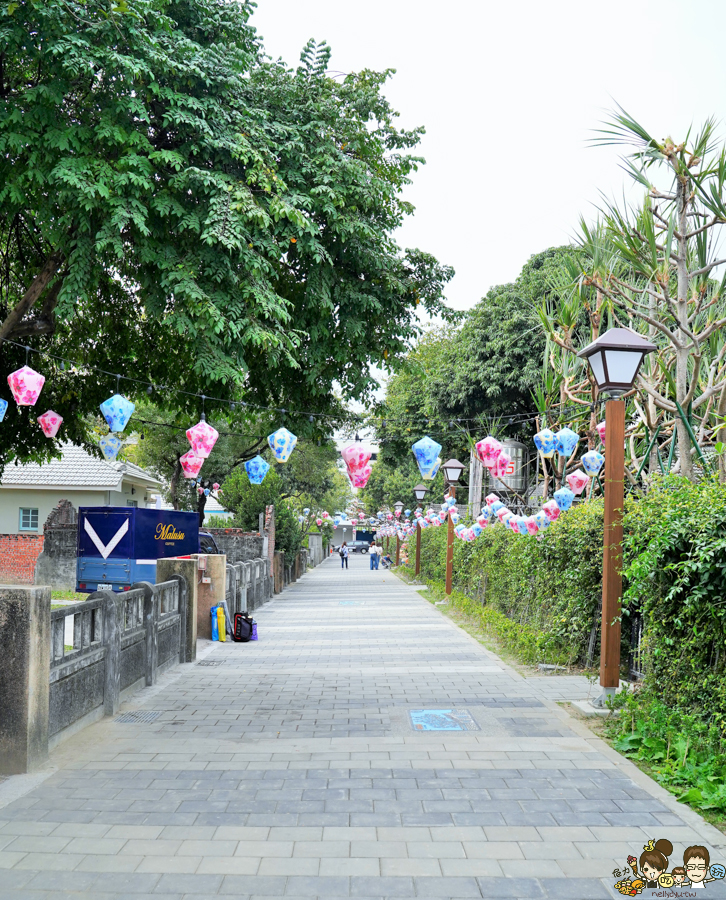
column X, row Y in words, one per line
column 118, row 546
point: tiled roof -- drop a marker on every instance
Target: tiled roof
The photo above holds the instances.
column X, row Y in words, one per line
column 75, row 468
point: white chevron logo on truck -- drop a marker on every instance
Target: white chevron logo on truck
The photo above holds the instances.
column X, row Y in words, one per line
column 105, row 549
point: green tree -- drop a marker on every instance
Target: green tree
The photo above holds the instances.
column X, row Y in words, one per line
column 175, row 207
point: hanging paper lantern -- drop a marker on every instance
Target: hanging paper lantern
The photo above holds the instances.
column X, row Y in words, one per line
column 502, row 513
column 3, row 408
column 564, row 498
column 441, row 516
column 491, row 498
column 215, row 486
column 422, row 523
column 256, row 470
column 453, row 508
column 545, row 441
column 552, row 510
column 202, row 437
column 407, row 513
column 200, row 491
column 542, row 520
column 488, row 450
column 355, row 457
column 26, row 385
column 360, row 479
column 318, row 522
column 454, row 517
column 495, row 507
column 371, row 521
column 531, row 525
column 282, row 442
column 206, row 492
column 482, row 521
column 50, row 422
column 110, row 446
column 326, row 515
column 476, row 529
column 117, row 411
column 459, row 530
column 428, row 473
column 577, row 481
column 306, row 511
column 567, row 441
column 601, row 430
column 501, row 465
column 191, row 464
column 592, row 462
column 426, row 452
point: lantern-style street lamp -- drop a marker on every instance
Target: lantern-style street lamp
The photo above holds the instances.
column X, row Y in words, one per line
column 615, row 359
column 452, row 469
column 419, row 493
column 398, row 507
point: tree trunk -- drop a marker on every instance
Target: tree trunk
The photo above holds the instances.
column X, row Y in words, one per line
column 174, row 484
column 201, row 503
column 31, row 296
column 684, row 440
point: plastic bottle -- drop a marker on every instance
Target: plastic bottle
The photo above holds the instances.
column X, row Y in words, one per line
column 221, row 625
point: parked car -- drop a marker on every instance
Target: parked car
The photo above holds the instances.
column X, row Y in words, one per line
column 358, row 546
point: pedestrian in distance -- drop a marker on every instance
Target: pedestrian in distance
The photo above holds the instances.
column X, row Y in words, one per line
column 343, row 555
column 373, row 551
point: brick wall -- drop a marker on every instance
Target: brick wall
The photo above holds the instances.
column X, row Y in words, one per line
column 18, row 555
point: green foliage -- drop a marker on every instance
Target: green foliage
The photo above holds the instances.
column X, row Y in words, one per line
column 218, row 522
column 548, row 587
column 190, row 212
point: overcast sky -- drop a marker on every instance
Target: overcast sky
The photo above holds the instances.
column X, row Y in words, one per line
column 509, row 94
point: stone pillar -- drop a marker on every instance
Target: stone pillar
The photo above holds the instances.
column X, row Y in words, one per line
column 24, row 677
column 187, row 568
column 315, row 546
column 211, row 593
column 56, row 564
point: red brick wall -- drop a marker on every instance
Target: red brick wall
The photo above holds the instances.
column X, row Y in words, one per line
column 18, row 555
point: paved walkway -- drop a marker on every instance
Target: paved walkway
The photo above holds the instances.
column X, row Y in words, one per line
column 292, row 768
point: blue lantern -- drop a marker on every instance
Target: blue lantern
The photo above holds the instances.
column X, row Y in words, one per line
column 206, row 492
column 495, row 507
column 476, row 529
column 426, row 452
column 567, row 441
column 522, row 525
column 306, row 511
column 110, row 446
column 3, row 408
column 407, row 513
column 592, row 462
column 564, row 498
column 546, row 442
column 256, row 469
column 117, row 411
column 542, row 521
column 282, row 442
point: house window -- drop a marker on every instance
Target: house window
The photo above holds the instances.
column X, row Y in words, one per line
column 28, row 519
column 132, row 503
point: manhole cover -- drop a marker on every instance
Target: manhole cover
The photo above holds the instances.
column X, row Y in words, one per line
column 138, row 716
column 442, row 720
column 210, row 662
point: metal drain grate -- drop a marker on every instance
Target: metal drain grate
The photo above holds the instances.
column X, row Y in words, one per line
column 210, row 662
column 442, row 720
column 138, row 717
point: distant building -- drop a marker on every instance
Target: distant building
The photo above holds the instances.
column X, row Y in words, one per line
column 29, row 491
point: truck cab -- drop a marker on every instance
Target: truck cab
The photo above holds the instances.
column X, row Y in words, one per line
column 118, row 546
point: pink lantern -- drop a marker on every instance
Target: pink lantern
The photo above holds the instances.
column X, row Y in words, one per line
column 532, row 527
column 501, row 465
column 482, row 521
column 355, row 457
column 360, row 479
column 191, row 464
column 200, row 491
column 577, row 481
column 551, row 510
column 202, row 437
column 601, row 431
column 26, row 385
column 502, row 513
column 488, row 451
column 50, row 422
column 215, row 486
column 361, row 516
column 318, row 522
column 326, row 515
column 490, row 498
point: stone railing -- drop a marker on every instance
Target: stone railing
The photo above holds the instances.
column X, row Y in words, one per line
column 109, row 646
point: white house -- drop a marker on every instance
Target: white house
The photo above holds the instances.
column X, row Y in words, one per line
column 29, row 491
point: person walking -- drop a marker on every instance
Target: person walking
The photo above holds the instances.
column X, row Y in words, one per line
column 344, row 555
column 373, row 551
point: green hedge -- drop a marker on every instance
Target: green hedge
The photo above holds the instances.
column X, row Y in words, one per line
column 550, row 584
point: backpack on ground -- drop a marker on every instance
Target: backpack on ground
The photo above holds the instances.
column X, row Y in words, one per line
column 242, row 631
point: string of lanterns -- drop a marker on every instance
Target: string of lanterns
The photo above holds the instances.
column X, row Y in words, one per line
column 492, row 456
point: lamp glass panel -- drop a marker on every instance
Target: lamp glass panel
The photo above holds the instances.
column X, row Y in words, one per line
column 598, row 370
column 622, row 365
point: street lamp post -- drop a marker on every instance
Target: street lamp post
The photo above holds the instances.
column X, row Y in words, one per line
column 398, row 506
column 615, row 359
column 419, row 493
column 452, row 472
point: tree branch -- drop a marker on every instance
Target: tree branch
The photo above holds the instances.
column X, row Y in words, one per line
column 31, row 296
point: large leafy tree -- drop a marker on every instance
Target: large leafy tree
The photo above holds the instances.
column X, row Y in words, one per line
column 175, row 207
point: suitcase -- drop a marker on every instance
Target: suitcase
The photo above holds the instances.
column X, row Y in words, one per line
column 242, row 631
